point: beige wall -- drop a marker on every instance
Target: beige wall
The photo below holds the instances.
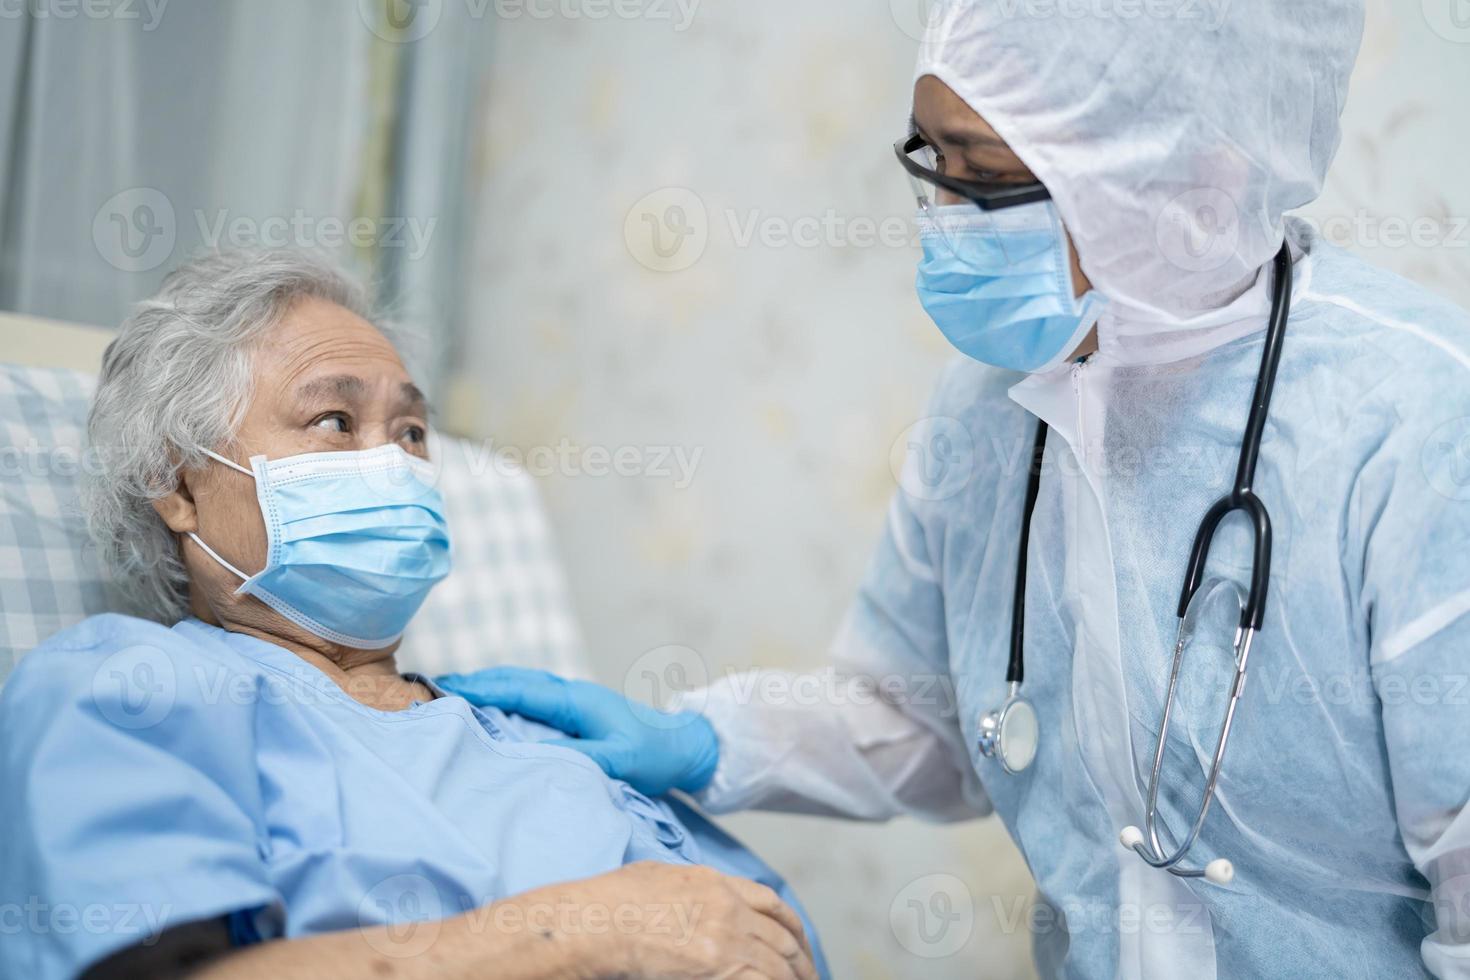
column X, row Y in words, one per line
column 781, row 347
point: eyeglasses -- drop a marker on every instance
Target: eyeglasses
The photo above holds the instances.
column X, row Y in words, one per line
column 920, row 160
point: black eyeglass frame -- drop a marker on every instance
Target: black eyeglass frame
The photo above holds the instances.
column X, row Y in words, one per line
column 988, row 196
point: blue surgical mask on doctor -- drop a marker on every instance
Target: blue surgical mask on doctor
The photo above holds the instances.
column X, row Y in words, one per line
column 354, row 541
column 999, row 284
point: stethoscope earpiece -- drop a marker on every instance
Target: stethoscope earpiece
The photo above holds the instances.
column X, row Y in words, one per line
column 1219, row 871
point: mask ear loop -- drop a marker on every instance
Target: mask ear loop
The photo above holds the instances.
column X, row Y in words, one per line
column 200, row 541
column 215, row 555
column 228, row 462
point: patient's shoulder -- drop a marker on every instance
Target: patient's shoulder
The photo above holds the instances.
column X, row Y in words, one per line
column 118, row 716
column 82, row 646
column 132, row 672
column 98, row 632
column 70, row 655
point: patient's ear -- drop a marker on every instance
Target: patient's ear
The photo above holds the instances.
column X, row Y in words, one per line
column 177, row 508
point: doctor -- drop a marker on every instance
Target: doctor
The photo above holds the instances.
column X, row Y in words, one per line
column 1102, row 207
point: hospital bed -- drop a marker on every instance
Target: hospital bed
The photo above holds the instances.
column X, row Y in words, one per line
column 504, row 602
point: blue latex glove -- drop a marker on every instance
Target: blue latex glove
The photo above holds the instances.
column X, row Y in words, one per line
column 651, row 750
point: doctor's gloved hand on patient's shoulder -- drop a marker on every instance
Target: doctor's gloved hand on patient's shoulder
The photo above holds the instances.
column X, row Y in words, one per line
column 653, row 751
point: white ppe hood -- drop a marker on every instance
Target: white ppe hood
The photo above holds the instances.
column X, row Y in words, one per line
column 1172, row 134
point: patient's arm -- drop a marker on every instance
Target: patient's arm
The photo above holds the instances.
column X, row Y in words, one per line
column 646, row 919
column 203, row 950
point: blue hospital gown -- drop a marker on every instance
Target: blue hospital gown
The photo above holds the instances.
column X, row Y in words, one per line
column 157, row 776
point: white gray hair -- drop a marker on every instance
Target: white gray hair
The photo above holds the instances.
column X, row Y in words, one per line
column 177, row 378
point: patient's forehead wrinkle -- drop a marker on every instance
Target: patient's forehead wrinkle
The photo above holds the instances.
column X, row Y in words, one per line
column 302, row 356
column 322, row 352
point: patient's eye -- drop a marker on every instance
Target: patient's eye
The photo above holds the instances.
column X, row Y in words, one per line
column 333, row 422
column 414, row 435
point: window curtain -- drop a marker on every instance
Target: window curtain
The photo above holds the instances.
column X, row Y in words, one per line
column 130, row 141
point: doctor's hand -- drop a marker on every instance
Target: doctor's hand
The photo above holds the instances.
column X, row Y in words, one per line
column 653, row 751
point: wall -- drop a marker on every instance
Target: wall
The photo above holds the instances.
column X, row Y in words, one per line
column 687, row 245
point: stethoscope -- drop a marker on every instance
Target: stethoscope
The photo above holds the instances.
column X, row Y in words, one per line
column 1010, row 734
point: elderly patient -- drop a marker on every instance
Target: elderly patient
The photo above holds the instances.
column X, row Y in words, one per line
column 246, row 786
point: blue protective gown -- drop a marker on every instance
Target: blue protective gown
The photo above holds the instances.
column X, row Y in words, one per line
column 1342, row 797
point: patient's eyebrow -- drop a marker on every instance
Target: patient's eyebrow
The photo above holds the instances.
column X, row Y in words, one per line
column 411, row 396
column 339, row 385
column 350, row 387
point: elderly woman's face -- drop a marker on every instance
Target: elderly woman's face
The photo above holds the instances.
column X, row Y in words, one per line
column 324, row 380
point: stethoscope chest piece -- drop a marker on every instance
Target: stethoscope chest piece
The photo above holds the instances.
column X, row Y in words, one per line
column 1010, row 734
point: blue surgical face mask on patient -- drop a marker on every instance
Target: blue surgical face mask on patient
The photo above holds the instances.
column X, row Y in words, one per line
column 999, row 284
column 355, row 541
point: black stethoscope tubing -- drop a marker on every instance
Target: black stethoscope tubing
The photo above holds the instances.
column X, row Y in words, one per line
column 1241, row 496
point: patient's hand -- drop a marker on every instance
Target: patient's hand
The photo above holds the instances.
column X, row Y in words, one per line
column 646, row 920
column 651, row 750
column 681, row 921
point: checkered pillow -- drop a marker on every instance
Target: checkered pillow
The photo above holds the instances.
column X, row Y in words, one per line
column 505, row 601
column 50, row 573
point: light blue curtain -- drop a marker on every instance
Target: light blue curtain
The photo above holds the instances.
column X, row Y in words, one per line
column 127, row 143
